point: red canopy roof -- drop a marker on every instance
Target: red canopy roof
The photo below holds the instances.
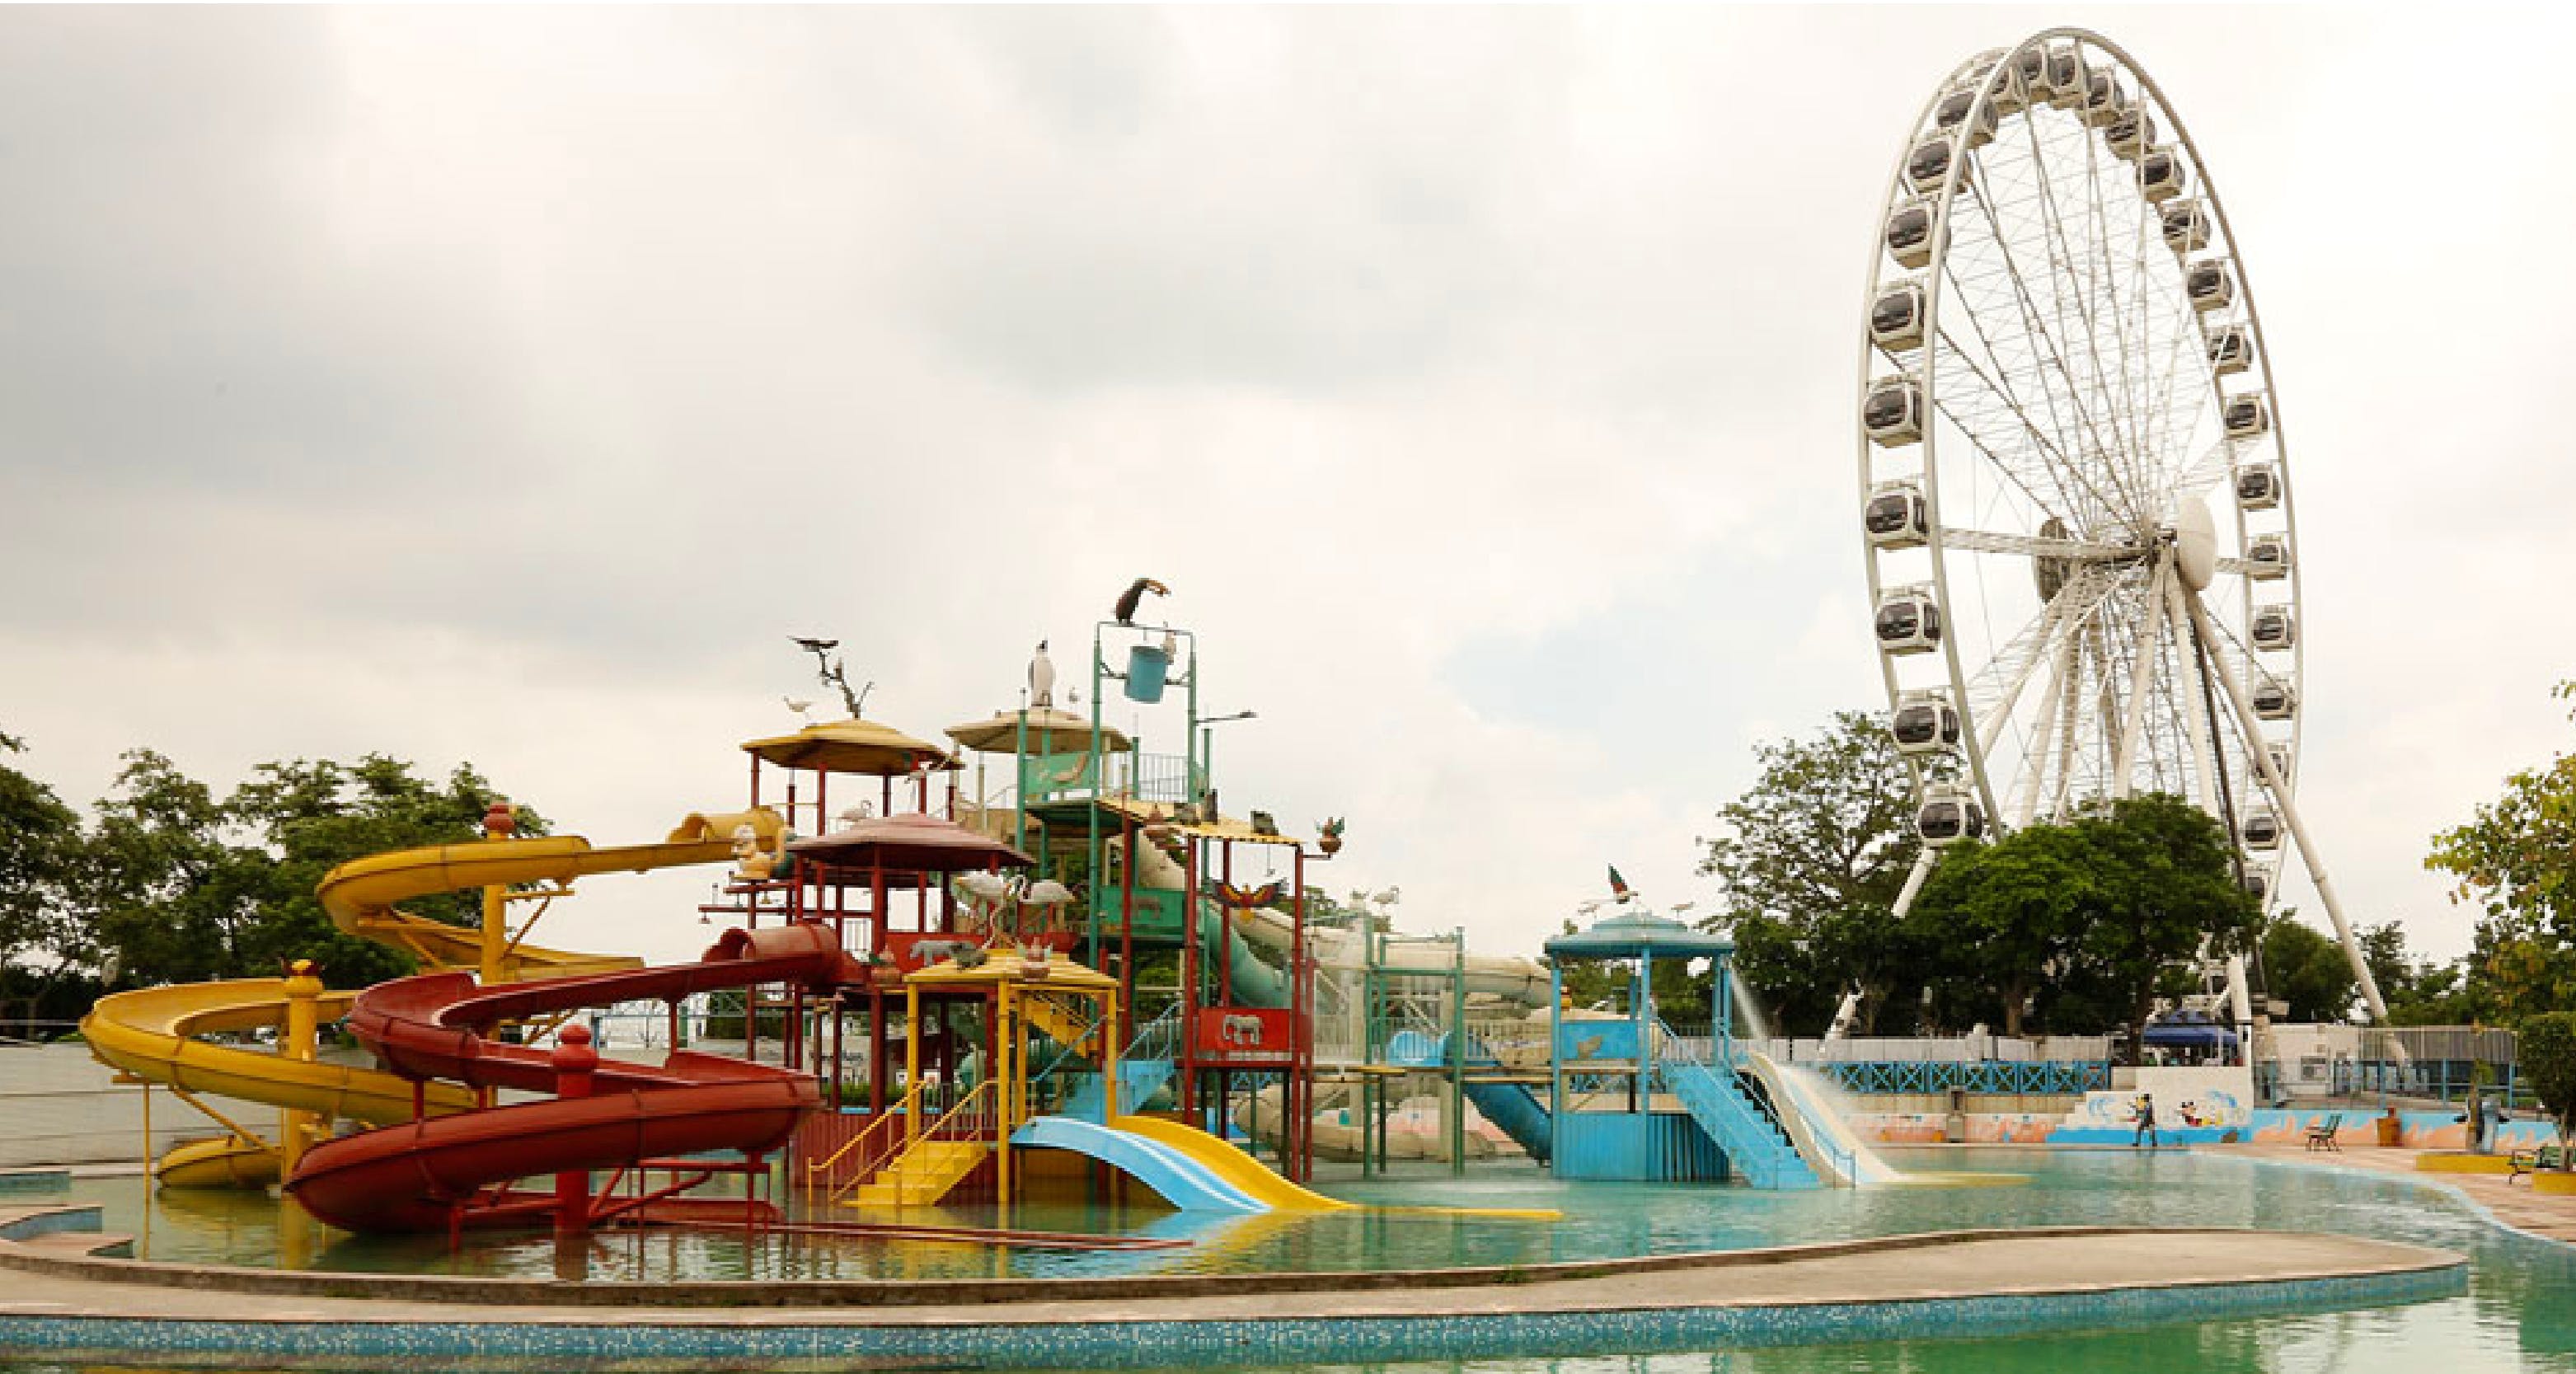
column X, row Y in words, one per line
column 918, row 842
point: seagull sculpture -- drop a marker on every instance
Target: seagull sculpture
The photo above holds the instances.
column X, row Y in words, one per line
column 1041, row 677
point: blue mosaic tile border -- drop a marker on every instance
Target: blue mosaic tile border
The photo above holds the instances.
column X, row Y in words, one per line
column 1298, row 1340
column 52, row 1220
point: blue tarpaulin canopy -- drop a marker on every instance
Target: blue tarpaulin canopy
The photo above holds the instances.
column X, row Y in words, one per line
column 2190, row 1033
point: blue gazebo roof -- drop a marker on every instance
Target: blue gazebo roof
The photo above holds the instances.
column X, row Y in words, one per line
column 1631, row 935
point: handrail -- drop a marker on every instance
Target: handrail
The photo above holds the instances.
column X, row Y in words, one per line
column 901, row 1110
column 989, row 1085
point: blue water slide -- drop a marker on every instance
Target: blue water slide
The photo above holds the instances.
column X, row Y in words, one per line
column 1182, row 1181
column 1518, row 1111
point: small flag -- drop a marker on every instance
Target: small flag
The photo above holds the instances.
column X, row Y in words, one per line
column 1619, row 886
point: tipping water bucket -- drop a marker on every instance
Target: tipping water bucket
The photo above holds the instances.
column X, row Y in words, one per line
column 1147, row 667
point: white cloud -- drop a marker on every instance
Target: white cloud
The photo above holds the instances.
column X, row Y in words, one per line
column 504, row 386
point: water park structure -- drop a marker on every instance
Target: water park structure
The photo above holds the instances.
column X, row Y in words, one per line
column 1021, row 1050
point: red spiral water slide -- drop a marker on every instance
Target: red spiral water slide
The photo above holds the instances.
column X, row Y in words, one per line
column 442, row 1172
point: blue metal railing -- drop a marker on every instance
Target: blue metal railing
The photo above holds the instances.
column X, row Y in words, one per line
column 1999, row 1076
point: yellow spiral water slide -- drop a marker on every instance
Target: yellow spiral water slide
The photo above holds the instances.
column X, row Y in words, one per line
column 153, row 1033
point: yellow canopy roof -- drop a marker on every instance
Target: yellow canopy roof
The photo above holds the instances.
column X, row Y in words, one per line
column 1050, row 731
column 1004, row 965
column 1222, row 828
column 852, row 746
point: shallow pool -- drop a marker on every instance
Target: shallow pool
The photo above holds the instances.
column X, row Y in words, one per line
column 2519, row 1312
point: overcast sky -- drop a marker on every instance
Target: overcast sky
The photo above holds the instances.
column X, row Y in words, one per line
column 506, row 386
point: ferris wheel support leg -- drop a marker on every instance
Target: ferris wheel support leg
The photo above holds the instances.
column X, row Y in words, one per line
column 1914, row 880
column 2133, row 716
column 2280, row 790
column 2185, row 608
column 2240, row 1001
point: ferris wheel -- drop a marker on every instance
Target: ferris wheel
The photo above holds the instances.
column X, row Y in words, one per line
column 2076, row 503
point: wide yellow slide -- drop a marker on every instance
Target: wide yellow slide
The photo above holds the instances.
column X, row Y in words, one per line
column 152, row 1033
column 1240, row 1171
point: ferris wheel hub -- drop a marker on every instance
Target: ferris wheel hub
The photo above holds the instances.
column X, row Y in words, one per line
column 2195, row 543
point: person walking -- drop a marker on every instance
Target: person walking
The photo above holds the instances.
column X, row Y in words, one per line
column 2146, row 1122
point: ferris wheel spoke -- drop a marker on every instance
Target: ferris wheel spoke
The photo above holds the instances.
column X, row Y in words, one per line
column 2072, row 550
column 1999, row 684
column 2041, row 461
column 2061, row 261
column 2034, row 326
column 2146, row 650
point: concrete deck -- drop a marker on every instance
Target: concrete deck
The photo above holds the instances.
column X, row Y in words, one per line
column 1901, row 1269
column 2517, row 1205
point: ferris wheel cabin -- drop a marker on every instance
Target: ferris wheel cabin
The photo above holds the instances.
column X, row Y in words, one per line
column 2274, row 699
column 2258, row 486
column 1892, row 412
column 2231, row 350
column 1896, row 317
column 1924, row 723
column 2273, row 627
column 2160, row 174
column 1908, row 621
column 2258, row 882
column 2063, row 82
column 2262, row 829
column 1948, row 815
column 2209, row 285
column 2131, row 134
column 2281, row 759
column 1928, row 165
column 2247, row 416
column 1959, row 111
column 2267, row 557
column 1896, row 516
column 1909, row 234
column 2186, row 225
column 2105, row 99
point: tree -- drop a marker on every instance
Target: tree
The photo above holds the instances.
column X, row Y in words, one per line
column 2516, row 860
column 2308, row 971
column 2170, row 878
column 2545, row 1054
column 184, row 886
column 2080, row 922
column 40, row 840
column 2007, row 912
column 1809, row 862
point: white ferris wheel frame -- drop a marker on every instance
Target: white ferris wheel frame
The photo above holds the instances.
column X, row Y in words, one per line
column 2183, row 614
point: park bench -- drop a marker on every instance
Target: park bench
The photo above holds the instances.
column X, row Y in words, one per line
column 2321, row 1136
column 2533, row 1161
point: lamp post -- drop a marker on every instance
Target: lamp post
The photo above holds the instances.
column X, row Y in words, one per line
column 1207, row 746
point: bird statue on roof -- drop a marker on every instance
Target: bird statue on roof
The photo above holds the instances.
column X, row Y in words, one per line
column 803, row 709
column 1041, row 677
column 1134, row 595
column 827, row 667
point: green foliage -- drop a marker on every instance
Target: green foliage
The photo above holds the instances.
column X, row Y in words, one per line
column 2516, row 861
column 173, row 883
column 2545, row 1053
column 2081, row 921
column 1809, row 862
column 39, row 850
column 1682, row 997
column 2308, row 970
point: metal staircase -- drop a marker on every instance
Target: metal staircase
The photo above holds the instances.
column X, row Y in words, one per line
column 1755, row 1145
column 1142, row 1071
column 936, row 1160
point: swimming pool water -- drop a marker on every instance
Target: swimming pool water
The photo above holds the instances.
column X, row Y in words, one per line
column 2519, row 1312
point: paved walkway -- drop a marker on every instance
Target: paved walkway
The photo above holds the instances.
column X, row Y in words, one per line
column 2516, row 1204
column 1971, row 1266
